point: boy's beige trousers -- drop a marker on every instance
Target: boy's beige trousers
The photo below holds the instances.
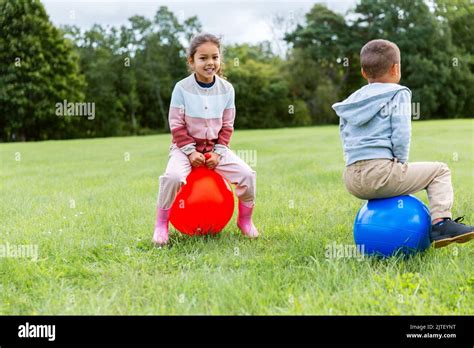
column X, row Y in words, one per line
column 382, row 178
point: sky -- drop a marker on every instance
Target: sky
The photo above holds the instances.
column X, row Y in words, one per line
column 236, row 21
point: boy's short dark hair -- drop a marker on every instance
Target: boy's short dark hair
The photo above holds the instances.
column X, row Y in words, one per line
column 378, row 56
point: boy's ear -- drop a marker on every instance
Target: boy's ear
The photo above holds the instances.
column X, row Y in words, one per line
column 394, row 69
column 364, row 75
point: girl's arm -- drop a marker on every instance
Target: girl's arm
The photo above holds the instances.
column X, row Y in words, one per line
column 227, row 129
column 181, row 138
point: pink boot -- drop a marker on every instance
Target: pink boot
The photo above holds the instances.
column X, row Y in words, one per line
column 160, row 236
column 244, row 221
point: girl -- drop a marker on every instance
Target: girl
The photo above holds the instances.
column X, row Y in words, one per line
column 201, row 119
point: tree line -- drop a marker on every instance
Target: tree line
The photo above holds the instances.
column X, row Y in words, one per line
column 128, row 72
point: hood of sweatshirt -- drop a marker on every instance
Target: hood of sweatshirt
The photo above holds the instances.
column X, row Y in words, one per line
column 362, row 105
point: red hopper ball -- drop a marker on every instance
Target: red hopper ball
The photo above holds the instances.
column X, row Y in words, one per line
column 204, row 205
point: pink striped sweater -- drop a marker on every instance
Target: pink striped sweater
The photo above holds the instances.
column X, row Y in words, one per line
column 202, row 119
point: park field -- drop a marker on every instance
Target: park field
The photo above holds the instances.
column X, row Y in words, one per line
column 86, row 209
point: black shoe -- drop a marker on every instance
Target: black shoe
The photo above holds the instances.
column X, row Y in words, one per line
column 449, row 231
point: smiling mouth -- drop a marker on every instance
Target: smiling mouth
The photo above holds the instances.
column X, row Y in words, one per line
column 209, row 70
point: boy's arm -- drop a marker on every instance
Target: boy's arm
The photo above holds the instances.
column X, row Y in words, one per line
column 179, row 132
column 401, row 125
column 342, row 124
column 227, row 129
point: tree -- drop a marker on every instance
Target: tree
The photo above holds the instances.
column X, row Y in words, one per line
column 38, row 69
column 433, row 67
column 263, row 98
column 459, row 16
column 425, row 42
column 318, row 63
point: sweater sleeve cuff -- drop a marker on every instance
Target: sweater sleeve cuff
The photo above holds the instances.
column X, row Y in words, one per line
column 188, row 149
column 220, row 149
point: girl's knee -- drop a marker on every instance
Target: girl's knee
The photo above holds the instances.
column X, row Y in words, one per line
column 249, row 175
column 443, row 168
column 173, row 178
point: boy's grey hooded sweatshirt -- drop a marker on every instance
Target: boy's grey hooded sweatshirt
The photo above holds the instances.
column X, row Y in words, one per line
column 375, row 122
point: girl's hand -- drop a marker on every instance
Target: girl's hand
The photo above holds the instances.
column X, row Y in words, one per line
column 212, row 160
column 196, row 159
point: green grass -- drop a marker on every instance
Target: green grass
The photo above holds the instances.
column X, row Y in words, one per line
column 96, row 257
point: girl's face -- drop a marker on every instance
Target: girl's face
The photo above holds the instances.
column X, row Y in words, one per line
column 206, row 62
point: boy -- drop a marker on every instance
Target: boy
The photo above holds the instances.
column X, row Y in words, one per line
column 375, row 130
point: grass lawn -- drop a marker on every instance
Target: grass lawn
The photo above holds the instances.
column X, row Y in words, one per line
column 89, row 206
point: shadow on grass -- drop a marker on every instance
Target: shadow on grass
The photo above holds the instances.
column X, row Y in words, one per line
column 180, row 240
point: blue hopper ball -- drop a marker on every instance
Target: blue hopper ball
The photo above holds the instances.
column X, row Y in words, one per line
column 387, row 226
